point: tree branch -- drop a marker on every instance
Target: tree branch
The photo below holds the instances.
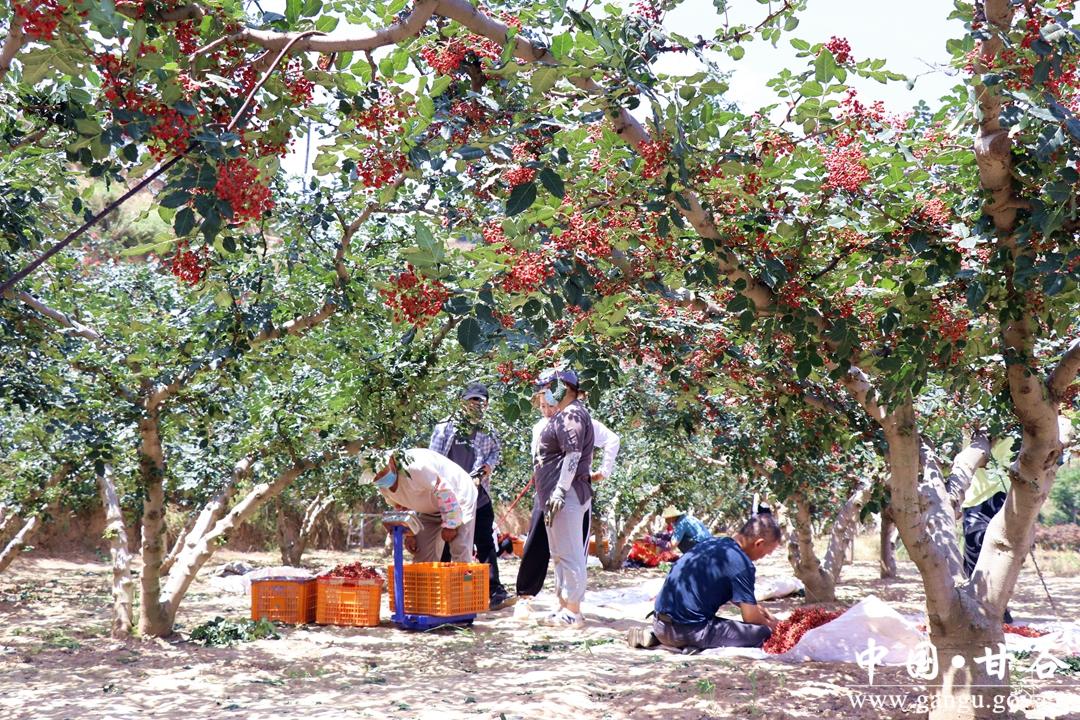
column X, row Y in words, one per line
column 966, row 462
column 1064, row 373
column 60, row 318
column 12, row 44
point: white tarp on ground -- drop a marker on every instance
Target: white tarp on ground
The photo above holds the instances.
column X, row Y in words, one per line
column 841, row 639
column 242, row 583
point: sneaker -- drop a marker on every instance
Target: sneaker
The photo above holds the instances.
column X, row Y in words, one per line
column 563, row 618
column 501, row 600
column 523, row 609
column 641, row 637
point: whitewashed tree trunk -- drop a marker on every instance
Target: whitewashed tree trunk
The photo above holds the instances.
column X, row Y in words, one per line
column 22, row 530
column 820, row 577
column 887, row 550
column 123, row 586
column 22, row 538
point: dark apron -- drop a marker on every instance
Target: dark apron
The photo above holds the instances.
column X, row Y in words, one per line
column 463, row 453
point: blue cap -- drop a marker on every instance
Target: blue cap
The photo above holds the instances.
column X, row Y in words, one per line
column 551, row 375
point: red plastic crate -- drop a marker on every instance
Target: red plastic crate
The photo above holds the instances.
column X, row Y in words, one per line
column 348, row 601
column 442, row 589
column 284, row 600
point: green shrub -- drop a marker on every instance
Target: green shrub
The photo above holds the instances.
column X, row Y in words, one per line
column 1065, row 494
column 220, row 631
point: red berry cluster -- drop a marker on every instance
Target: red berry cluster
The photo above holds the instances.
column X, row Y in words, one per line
column 189, row 266
column 446, row 57
column 789, row 632
column 510, row 374
column 840, row 48
column 380, row 124
column 857, row 114
column 589, row 236
column 934, row 211
column 655, row 154
column 648, row 10
column 1022, row 630
column 951, row 326
column 239, row 185
column 169, row 132
column 40, row 18
column 354, row 571
column 528, row 268
column 519, row 176
column 414, row 298
column 845, row 167
column 301, row 90
column 186, row 34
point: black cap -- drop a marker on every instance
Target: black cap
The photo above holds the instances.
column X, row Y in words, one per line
column 475, row 391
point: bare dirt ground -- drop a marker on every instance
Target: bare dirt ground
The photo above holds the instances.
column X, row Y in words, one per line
column 56, row 660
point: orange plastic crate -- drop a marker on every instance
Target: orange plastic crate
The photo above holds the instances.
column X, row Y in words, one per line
column 519, row 547
column 442, row 589
column 345, row 601
column 284, row 600
column 592, row 547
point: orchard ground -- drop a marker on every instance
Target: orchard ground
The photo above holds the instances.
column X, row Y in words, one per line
column 56, row 660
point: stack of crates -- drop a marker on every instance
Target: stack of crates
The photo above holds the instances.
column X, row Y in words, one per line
column 443, row 589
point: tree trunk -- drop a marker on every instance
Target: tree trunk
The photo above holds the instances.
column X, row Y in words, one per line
column 123, row 586
column 820, row 578
column 619, row 536
column 154, row 620
column 25, row 534
column 820, row 585
column 26, row 529
column 887, row 551
column 213, row 511
column 288, row 532
column 313, row 513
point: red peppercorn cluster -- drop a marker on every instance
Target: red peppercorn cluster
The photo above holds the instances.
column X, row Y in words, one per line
column 353, row 571
column 40, row 18
column 510, row 374
column 186, row 34
column 414, row 298
column 528, row 268
column 380, row 125
column 301, row 90
column 519, row 176
column 169, row 132
column 239, row 185
column 655, row 154
column 951, row 326
column 789, row 632
column 189, row 266
column 589, row 236
column 1024, row 630
column 845, row 168
column 648, row 10
column 840, row 48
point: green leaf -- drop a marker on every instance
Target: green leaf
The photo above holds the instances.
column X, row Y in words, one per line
column 811, row 88
column 184, row 222
column 469, row 333
column 292, row 10
column 439, row 86
column 223, row 299
column 736, row 52
column 425, row 106
column 824, row 67
column 552, row 182
column 88, row 127
column 176, row 199
column 561, row 45
column 521, row 199
column 138, row 36
column 326, row 23
column 544, row 79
